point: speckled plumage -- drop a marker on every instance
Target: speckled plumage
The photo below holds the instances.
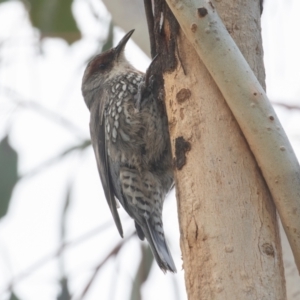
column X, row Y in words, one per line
column 130, row 138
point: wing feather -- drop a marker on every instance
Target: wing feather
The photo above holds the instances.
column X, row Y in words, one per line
column 97, row 129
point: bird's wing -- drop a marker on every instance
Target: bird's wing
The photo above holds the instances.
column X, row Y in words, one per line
column 97, row 129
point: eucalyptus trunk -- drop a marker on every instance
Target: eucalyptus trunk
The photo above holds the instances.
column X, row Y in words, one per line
column 229, row 232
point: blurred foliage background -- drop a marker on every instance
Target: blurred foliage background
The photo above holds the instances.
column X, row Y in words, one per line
column 57, row 238
column 52, row 246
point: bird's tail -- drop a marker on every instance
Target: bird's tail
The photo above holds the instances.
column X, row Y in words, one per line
column 159, row 247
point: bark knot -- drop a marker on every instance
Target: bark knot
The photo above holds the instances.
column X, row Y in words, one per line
column 194, row 27
column 183, row 95
column 268, row 249
column 181, row 147
column 202, row 12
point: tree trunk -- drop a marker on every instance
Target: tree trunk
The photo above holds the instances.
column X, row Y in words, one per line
column 229, row 233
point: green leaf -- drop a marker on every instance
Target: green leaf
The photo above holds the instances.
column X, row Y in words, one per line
column 64, row 290
column 8, row 174
column 13, row 296
column 53, row 18
column 142, row 272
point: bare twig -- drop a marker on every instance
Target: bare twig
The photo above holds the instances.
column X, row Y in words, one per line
column 112, row 253
column 287, row 106
column 55, row 254
column 55, row 159
column 29, row 104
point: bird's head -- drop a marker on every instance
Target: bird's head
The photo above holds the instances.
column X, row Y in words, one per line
column 105, row 66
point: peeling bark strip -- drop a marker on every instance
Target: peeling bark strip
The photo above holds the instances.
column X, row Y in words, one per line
column 163, row 31
column 150, row 22
column 166, row 29
column 181, row 147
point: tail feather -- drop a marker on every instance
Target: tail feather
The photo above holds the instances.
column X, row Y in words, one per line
column 159, row 248
column 139, row 231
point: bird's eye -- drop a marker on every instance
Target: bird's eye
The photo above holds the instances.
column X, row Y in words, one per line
column 102, row 66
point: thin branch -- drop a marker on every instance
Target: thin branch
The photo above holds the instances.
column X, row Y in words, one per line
column 112, row 253
column 287, row 106
column 84, row 144
column 53, row 116
column 34, row 267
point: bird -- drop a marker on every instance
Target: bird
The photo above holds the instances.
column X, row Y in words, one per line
column 130, row 138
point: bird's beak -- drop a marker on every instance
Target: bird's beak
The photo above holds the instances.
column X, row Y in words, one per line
column 121, row 46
